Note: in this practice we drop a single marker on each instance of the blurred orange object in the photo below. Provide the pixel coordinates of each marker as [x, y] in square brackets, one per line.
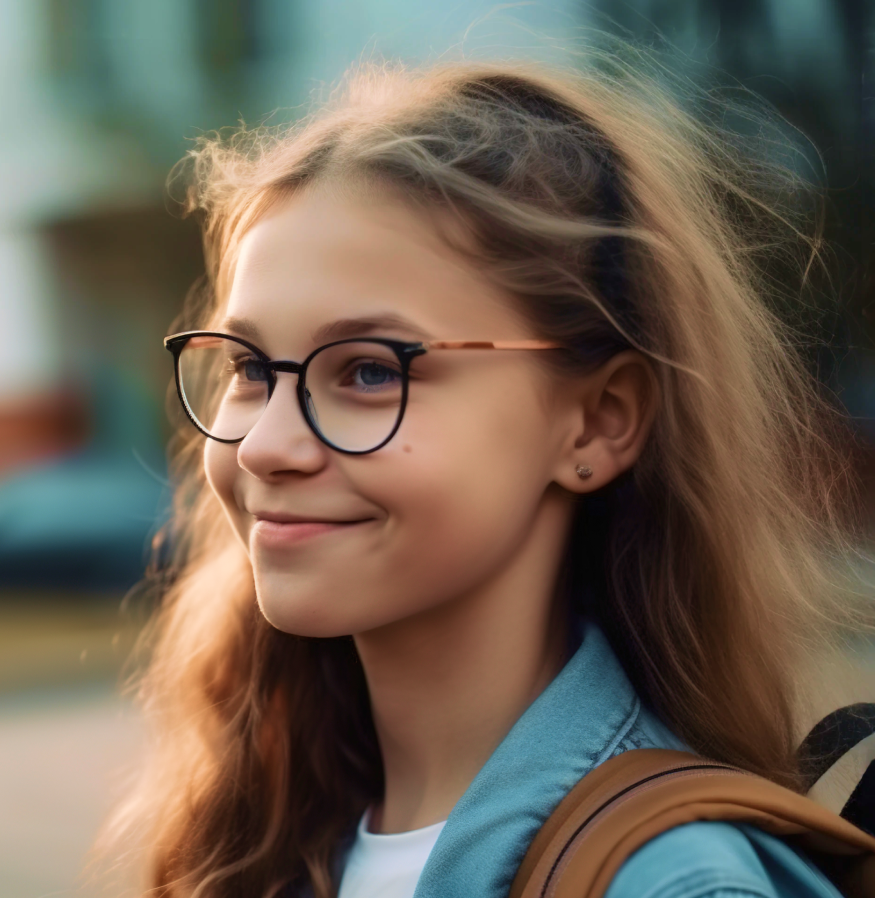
[40, 427]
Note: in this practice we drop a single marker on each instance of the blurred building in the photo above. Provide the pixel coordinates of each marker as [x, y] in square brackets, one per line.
[98, 98]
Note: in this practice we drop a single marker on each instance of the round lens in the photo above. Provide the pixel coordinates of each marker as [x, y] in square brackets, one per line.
[224, 385]
[354, 393]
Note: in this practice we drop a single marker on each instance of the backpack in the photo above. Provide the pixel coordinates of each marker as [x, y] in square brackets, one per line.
[633, 797]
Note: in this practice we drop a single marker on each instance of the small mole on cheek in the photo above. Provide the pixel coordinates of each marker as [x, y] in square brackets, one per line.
[408, 449]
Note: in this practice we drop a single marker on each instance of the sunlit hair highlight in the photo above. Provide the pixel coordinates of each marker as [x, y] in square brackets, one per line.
[613, 218]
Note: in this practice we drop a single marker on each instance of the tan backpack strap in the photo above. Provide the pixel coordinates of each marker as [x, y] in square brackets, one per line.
[635, 796]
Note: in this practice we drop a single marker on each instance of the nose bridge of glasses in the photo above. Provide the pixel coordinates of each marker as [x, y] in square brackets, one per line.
[289, 406]
[287, 367]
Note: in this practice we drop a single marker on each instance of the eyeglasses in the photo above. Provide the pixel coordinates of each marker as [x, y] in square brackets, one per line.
[352, 392]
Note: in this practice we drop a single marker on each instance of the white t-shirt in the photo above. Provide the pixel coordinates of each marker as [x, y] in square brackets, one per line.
[386, 865]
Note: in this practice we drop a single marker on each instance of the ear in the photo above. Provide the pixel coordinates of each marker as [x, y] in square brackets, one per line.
[609, 414]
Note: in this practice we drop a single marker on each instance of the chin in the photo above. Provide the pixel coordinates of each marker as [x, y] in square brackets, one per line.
[304, 612]
[301, 619]
[308, 606]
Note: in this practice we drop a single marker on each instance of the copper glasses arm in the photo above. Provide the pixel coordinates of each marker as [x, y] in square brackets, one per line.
[490, 344]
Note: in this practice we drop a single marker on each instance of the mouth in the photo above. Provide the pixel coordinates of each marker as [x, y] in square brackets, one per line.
[271, 532]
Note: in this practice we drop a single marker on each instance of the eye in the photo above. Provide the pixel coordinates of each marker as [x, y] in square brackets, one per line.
[371, 376]
[253, 370]
[247, 368]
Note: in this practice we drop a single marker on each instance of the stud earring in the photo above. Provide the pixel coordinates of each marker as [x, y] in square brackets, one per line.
[584, 471]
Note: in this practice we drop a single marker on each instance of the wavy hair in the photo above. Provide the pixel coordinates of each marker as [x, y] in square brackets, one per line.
[613, 217]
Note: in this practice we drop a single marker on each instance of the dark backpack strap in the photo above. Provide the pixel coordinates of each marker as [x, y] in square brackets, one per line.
[860, 807]
[833, 737]
[828, 742]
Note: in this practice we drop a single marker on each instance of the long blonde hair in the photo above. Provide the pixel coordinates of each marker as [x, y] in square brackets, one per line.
[613, 218]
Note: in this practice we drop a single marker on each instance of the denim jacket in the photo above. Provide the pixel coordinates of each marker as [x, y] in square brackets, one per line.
[588, 714]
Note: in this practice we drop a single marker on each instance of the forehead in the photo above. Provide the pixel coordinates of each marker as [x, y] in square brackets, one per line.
[324, 255]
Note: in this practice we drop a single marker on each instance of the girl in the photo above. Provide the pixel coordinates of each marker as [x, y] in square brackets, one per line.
[500, 467]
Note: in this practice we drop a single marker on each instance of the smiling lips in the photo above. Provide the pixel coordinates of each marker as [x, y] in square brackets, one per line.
[279, 531]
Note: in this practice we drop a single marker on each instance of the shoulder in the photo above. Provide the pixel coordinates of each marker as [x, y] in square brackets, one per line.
[712, 859]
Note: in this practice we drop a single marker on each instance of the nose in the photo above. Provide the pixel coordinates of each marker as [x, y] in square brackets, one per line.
[281, 441]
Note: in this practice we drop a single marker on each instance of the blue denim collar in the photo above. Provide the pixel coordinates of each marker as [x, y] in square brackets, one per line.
[588, 713]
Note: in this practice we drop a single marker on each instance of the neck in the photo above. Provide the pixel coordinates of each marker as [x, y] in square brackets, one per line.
[448, 685]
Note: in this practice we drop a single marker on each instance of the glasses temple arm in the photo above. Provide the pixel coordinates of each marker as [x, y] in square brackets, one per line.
[491, 344]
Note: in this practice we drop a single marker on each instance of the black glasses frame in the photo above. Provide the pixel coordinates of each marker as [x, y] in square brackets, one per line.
[404, 351]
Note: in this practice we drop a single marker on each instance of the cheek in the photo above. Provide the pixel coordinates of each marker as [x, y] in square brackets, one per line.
[222, 471]
[465, 496]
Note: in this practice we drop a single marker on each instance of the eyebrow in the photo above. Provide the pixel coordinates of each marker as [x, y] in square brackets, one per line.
[336, 330]
[242, 327]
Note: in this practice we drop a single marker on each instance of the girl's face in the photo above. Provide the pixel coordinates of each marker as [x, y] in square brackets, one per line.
[443, 509]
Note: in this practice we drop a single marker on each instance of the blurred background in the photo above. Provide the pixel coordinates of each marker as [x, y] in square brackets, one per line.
[98, 99]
